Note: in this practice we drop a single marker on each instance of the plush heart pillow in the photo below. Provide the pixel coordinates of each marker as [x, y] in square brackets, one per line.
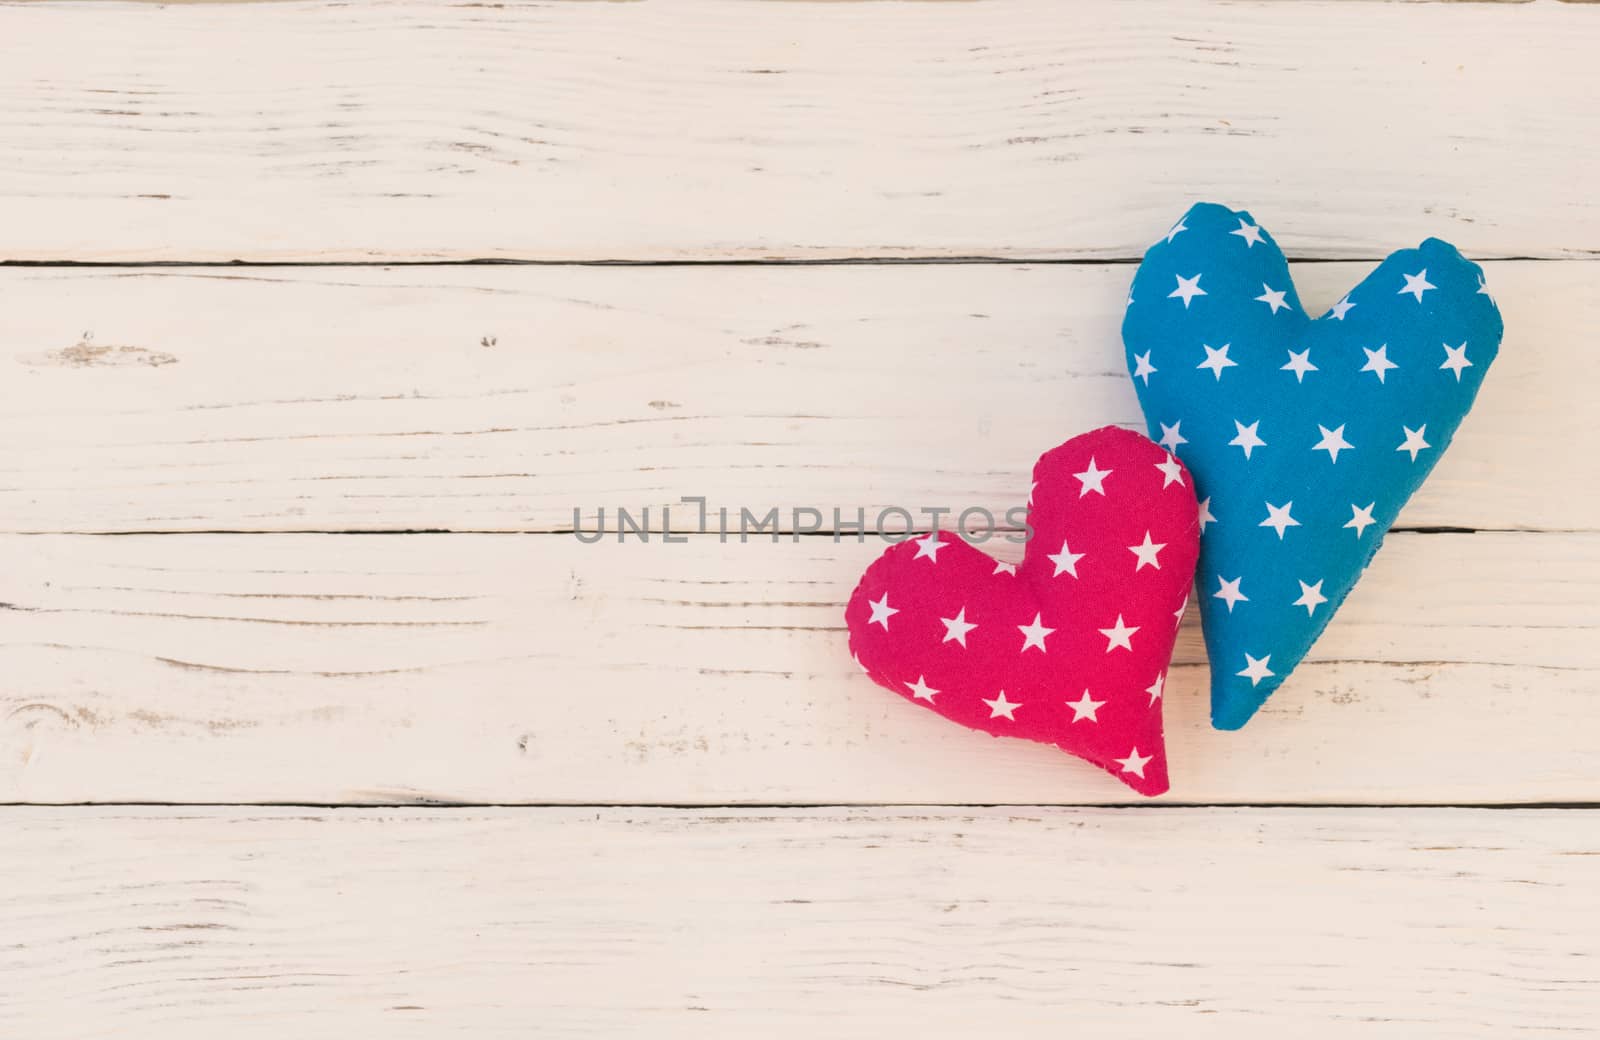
[1305, 437]
[1071, 646]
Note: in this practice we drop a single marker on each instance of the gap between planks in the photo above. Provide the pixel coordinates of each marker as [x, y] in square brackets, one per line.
[844, 261]
[756, 807]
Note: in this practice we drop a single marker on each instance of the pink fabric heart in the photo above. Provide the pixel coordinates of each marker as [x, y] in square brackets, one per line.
[1071, 646]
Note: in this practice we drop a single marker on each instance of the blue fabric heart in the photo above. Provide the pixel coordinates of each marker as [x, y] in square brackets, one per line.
[1305, 438]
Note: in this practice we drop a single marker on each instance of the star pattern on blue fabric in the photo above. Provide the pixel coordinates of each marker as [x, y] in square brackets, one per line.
[1300, 434]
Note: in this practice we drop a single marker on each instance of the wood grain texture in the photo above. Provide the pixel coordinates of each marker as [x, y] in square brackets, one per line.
[1447, 924]
[721, 129]
[506, 669]
[504, 398]
[270, 666]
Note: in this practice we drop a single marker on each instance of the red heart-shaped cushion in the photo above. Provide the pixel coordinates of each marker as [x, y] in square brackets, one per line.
[1071, 646]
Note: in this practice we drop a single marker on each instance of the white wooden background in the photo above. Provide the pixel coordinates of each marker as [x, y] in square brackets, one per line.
[315, 721]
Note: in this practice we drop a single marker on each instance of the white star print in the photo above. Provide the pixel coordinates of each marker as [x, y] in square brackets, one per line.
[920, 690]
[1217, 360]
[1229, 592]
[1134, 763]
[1278, 518]
[1155, 688]
[1483, 290]
[1066, 561]
[928, 547]
[1092, 479]
[1119, 635]
[1341, 308]
[1171, 472]
[1188, 289]
[1299, 364]
[881, 612]
[1255, 670]
[1176, 230]
[1361, 518]
[1000, 706]
[1251, 233]
[1378, 361]
[1033, 635]
[1247, 438]
[1417, 284]
[1143, 368]
[957, 627]
[1147, 553]
[1273, 298]
[1170, 437]
[1178, 614]
[1455, 359]
[1084, 708]
[1205, 514]
[1332, 442]
[1001, 567]
[1310, 596]
[1414, 442]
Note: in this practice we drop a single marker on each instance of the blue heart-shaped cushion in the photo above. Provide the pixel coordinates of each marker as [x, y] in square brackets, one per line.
[1305, 438]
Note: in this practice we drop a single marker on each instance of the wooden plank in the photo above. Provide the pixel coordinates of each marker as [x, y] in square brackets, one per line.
[498, 923]
[715, 128]
[504, 398]
[506, 669]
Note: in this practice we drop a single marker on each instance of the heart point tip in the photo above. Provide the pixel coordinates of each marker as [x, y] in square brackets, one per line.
[1232, 713]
